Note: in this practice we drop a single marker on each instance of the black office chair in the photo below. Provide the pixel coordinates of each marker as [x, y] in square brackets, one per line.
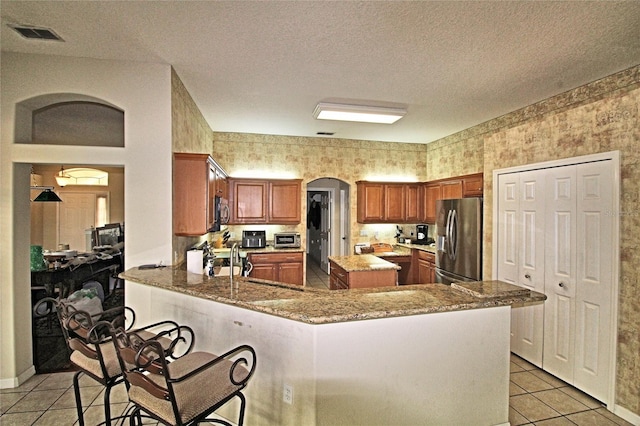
[184, 391]
[88, 339]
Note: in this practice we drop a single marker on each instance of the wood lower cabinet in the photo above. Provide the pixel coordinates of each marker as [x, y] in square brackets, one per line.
[340, 279]
[405, 274]
[267, 201]
[426, 267]
[197, 180]
[281, 267]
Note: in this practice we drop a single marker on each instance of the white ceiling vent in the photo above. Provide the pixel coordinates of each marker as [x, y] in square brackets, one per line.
[37, 33]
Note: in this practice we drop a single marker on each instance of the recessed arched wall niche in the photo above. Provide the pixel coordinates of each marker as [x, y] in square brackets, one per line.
[69, 119]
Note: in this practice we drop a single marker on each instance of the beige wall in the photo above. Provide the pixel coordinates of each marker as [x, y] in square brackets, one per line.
[142, 90]
[245, 155]
[190, 132]
[599, 117]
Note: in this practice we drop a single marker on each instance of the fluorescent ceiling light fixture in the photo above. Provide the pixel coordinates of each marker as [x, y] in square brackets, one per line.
[360, 113]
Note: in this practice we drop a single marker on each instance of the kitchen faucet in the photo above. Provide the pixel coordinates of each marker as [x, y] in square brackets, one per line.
[234, 256]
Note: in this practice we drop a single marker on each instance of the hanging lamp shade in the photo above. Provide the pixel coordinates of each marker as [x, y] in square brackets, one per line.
[48, 196]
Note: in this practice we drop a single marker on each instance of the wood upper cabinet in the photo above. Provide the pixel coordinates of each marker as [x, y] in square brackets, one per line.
[473, 185]
[265, 201]
[446, 189]
[284, 201]
[196, 178]
[285, 267]
[394, 202]
[431, 194]
[413, 208]
[371, 202]
[451, 189]
[388, 202]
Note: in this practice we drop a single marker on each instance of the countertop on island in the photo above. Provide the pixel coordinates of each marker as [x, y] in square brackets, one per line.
[320, 306]
[362, 262]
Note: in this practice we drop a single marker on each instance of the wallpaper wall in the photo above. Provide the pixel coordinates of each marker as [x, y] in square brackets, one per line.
[598, 117]
[190, 132]
[246, 155]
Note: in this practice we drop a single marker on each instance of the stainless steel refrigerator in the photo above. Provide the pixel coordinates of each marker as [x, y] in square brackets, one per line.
[459, 240]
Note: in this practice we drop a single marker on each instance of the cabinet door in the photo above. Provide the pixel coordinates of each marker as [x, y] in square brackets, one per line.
[284, 202]
[432, 193]
[249, 201]
[211, 195]
[265, 271]
[451, 189]
[413, 212]
[192, 200]
[370, 202]
[394, 203]
[290, 273]
[472, 186]
[521, 255]
[424, 272]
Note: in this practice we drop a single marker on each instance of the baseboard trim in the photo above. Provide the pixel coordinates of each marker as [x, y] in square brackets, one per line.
[624, 413]
[14, 382]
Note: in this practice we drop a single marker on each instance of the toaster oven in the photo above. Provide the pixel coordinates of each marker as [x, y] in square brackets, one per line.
[254, 239]
[286, 240]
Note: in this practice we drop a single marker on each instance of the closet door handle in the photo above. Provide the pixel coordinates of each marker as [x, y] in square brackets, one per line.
[561, 284]
[527, 276]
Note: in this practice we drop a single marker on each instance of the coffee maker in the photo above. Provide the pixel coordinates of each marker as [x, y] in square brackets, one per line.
[422, 232]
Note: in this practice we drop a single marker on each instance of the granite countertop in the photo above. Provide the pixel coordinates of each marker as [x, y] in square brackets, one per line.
[363, 262]
[271, 249]
[422, 247]
[320, 306]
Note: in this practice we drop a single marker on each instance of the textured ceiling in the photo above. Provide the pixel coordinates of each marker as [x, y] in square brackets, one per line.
[261, 67]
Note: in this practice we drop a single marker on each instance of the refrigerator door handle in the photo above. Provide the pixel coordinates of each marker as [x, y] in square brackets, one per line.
[453, 234]
[448, 233]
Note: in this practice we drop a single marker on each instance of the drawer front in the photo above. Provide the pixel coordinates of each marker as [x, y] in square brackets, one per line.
[425, 255]
[275, 257]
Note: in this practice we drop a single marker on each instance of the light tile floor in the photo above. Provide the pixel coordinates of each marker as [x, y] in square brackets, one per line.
[538, 398]
[316, 277]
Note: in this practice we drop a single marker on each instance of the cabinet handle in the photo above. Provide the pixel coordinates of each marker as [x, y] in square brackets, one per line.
[561, 284]
[527, 276]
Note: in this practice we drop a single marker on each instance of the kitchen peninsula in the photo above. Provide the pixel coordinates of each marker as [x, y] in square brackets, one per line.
[417, 354]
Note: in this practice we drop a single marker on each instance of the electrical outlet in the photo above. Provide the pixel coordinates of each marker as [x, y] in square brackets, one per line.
[287, 394]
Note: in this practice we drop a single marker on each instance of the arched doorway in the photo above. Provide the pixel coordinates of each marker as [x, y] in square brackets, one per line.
[328, 225]
[82, 122]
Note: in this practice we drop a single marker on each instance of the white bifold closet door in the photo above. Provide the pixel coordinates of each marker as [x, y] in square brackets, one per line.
[577, 323]
[521, 255]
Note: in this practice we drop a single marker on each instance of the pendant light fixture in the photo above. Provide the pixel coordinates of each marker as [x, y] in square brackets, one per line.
[62, 178]
[47, 194]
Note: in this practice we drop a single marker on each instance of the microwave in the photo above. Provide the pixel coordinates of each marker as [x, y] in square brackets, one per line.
[254, 239]
[286, 240]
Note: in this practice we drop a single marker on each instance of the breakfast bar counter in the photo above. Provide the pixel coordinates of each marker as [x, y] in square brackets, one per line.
[416, 354]
[319, 306]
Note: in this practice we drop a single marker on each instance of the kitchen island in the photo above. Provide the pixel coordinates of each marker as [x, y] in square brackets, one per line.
[423, 354]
